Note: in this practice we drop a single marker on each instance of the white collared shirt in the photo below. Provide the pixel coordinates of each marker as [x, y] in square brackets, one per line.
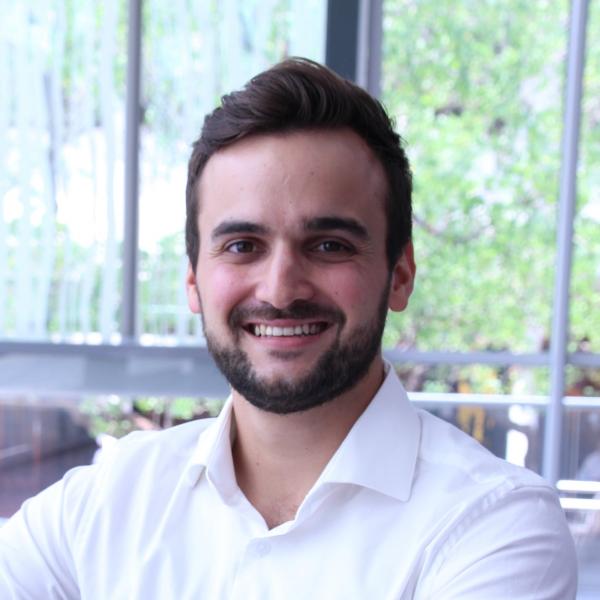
[408, 507]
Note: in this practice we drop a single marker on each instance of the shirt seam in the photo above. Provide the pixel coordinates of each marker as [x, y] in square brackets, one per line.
[469, 515]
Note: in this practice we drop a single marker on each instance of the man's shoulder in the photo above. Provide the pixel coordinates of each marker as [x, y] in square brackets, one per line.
[170, 448]
[137, 475]
[476, 508]
[459, 463]
[173, 439]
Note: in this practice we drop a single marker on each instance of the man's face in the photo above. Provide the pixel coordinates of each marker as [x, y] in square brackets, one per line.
[292, 279]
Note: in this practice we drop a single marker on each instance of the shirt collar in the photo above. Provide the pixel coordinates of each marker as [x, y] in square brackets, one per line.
[213, 454]
[379, 453]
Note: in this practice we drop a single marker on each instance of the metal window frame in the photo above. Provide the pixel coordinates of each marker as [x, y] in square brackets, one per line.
[343, 22]
[353, 48]
[564, 236]
[50, 370]
[133, 112]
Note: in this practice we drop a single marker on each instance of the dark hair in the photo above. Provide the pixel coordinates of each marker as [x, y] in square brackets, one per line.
[299, 94]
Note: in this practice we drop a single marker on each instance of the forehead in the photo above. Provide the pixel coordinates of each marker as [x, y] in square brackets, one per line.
[284, 178]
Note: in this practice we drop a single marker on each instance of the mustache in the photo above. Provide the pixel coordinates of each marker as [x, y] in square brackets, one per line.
[299, 309]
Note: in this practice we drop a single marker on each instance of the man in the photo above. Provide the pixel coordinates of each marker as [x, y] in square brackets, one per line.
[318, 479]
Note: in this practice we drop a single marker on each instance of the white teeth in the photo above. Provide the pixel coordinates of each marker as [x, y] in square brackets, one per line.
[269, 331]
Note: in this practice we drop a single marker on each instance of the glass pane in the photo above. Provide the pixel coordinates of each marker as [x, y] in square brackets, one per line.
[581, 445]
[515, 380]
[115, 416]
[585, 280]
[582, 381]
[580, 492]
[194, 52]
[513, 432]
[42, 438]
[62, 78]
[479, 105]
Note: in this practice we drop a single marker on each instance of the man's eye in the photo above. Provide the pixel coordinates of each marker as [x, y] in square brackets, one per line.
[241, 247]
[332, 246]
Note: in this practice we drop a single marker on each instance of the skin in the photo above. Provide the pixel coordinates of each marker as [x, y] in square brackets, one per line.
[267, 239]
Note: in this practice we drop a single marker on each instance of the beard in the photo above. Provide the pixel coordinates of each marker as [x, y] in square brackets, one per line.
[336, 371]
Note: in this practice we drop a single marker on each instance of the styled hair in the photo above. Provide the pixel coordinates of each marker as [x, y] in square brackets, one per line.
[296, 95]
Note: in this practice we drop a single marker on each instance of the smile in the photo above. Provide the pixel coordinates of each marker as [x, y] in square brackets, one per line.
[297, 330]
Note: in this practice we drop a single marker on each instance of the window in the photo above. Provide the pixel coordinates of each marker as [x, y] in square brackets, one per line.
[61, 184]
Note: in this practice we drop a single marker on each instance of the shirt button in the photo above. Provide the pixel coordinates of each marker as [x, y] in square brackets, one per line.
[262, 549]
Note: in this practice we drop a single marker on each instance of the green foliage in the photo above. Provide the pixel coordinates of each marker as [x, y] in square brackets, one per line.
[179, 409]
[585, 283]
[82, 26]
[191, 41]
[107, 415]
[475, 87]
[478, 379]
[161, 279]
[118, 415]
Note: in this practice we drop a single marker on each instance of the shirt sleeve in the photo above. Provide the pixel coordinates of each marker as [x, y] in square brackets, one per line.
[518, 547]
[36, 543]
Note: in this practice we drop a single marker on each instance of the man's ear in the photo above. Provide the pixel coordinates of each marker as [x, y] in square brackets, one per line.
[403, 277]
[191, 288]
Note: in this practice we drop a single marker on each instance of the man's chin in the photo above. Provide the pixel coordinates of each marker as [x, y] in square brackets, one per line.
[281, 376]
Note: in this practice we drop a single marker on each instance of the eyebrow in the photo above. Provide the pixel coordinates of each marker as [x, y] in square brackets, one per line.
[316, 224]
[345, 224]
[229, 227]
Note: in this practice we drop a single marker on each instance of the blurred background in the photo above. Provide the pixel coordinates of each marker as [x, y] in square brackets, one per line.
[499, 105]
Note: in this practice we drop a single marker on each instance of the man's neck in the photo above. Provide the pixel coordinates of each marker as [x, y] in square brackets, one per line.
[278, 458]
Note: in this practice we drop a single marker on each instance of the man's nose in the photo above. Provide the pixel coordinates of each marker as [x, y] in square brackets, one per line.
[285, 279]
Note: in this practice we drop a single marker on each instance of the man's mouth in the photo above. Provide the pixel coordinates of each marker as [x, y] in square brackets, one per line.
[263, 330]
